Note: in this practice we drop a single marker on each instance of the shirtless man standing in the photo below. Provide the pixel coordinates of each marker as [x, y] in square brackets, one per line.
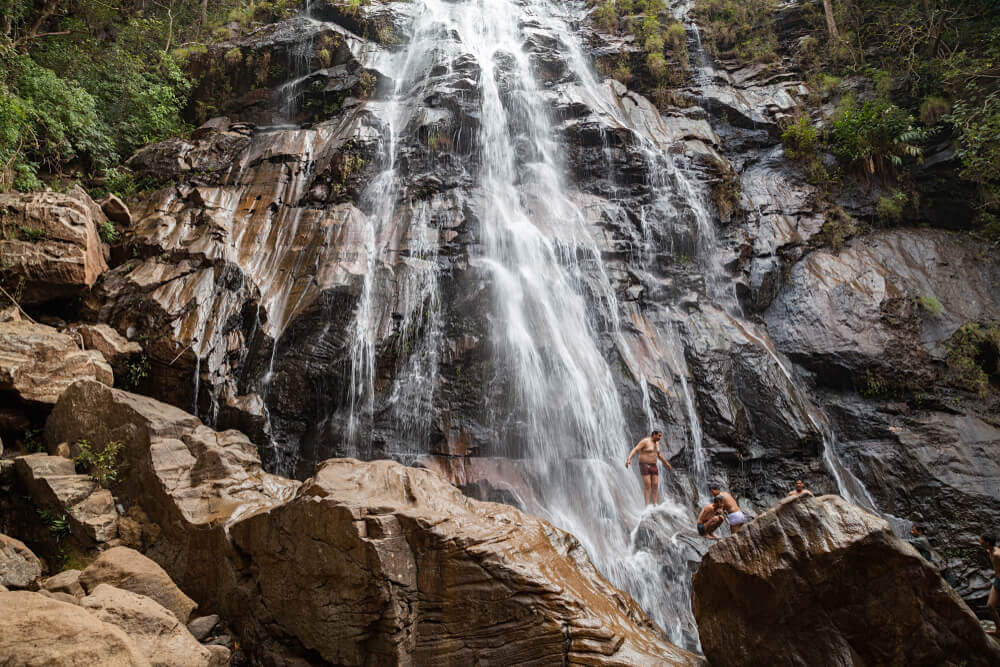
[735, 515]
[711, 517]
[800, 489]
[649, 451]
[993, 550]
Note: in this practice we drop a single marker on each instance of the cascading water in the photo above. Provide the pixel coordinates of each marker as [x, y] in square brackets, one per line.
[557, 323]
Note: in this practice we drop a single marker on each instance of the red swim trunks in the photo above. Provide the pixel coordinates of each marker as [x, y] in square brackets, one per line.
[649, 469]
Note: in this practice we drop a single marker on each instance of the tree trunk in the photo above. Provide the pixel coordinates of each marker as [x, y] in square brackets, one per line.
[204, 16]
[831, 24]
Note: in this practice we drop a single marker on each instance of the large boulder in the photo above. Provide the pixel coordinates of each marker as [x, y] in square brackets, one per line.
[53, 485]
[380, 562]
[818, 581]
[38, 362]
[188, 481]
[157, 633]
[129, 570]
[50, 241]
[19, 567]
[37, 630]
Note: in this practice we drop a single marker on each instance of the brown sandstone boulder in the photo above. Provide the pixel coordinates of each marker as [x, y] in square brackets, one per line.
[155, 630]
[36, 630]
[19, 567]
[129, 570]
[116, 210]
[114, 347]
[37, 362]
[372, 563]
[188, 481]
[818, 581]
[377, 563]
[53, 484]
[67, 581]
[50, 240]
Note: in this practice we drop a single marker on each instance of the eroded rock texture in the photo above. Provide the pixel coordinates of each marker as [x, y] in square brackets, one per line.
[50, 244]
[819, 581]
[368, 563]
[378, 563]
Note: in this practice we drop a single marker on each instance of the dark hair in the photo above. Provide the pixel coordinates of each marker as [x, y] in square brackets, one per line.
[717, 500]
[990, 540]
[920, 528]
[655, 433]
[714, 485]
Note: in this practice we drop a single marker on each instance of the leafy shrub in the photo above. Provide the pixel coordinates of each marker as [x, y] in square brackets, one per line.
[966, 354]
[876, 136]
[801, 138]
[890, 207]
[933, 109]
[103, 464]
[56, 522]
[108, 233]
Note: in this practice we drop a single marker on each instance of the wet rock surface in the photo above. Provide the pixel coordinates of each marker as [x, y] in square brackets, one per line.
[809, 581]
[410, 567]
[415, 570]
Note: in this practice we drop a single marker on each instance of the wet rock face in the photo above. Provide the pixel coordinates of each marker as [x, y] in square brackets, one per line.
[50, 245]
[411, 569]
[409, 556]
[810, 581]
[886, 303]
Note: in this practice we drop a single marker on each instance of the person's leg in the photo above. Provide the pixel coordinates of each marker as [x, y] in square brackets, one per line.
[654, 487]
[994, 603]
[647, 481]
[710, 526]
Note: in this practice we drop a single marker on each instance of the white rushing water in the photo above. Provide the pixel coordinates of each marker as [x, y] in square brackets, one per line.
[556, 321]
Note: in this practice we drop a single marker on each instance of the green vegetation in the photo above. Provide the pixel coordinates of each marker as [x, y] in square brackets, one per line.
[136, 370]
[905, 76]
[85, 83]
[56, 522]
[663, 62]
[103, 464]
[973, 352]
[930, 304]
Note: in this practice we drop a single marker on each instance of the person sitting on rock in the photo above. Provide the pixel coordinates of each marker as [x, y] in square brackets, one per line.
[649, 451]
[990, 543]
[710, 518]
[800, 489]
[733, 512]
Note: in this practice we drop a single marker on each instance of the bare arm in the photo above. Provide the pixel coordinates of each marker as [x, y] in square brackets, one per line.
[705, 514]
[665, 462]
[632, 453]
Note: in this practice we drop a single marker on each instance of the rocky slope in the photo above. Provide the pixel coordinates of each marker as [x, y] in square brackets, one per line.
[314, 269]
[364, 563]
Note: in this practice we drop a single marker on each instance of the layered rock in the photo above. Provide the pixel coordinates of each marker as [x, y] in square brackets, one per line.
[821, 581]
[375, 561]
[156, 631]
[860, 309]
[408, 567]
[54, 485]
[189, 480]
[50, 241]
[38, 362]
[129, 570]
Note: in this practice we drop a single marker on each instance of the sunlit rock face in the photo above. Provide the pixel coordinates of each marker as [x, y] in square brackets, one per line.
[462, 243]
